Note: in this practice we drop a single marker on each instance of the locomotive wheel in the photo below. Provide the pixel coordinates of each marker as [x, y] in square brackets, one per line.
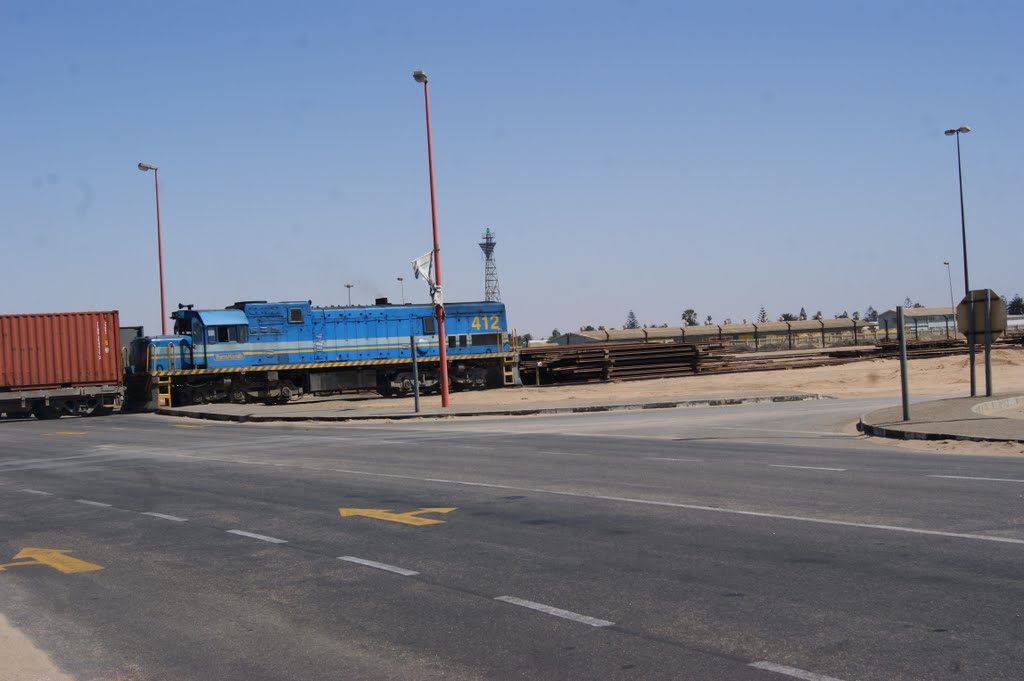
[45, 413]
[238, 396]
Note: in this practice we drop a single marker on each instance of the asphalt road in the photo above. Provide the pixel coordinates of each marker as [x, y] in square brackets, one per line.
[759, 542]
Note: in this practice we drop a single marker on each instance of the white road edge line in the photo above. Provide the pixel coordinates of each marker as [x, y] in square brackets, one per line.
[810, 468]
[17, 463]
[261, 537]
[165, 517]
[557, 612]
[379, 566]
[93, 503]
[792, 671]
[967, 477]
[691, 507]
[38, 491]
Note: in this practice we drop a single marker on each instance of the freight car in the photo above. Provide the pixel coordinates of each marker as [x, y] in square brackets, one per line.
[256, 351]
[66, 363]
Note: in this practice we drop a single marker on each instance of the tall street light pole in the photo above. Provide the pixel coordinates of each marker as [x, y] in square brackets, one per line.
[949, 277]
[963, 223]
[401, 282]
[963, 129]
[442, 338]
[159, 244]
[349, 287]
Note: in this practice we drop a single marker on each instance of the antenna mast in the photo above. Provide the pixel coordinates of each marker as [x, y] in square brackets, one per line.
[492, 294]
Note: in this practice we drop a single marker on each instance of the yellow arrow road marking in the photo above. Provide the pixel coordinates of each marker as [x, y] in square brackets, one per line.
[410, 518]
[182, 425]
[55, 558]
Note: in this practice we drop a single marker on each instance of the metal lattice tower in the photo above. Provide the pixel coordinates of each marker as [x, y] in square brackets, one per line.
[492, 294]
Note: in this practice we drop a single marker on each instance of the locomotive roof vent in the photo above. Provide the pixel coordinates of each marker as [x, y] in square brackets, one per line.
[241, 305]
[381, 301]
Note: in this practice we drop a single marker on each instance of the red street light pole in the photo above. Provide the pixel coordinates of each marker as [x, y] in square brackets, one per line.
[442, 339]
[159, 244]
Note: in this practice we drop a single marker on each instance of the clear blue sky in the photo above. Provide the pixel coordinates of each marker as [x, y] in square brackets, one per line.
[651, 156]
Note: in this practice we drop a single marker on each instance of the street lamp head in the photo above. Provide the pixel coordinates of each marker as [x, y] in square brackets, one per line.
[964, 129]
[419, 76]
[147, 166]
[401, 279]
[946, 263]
[949, 133]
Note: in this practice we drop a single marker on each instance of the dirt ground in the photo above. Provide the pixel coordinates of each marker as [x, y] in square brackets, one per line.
[22, 661]
[933, 377]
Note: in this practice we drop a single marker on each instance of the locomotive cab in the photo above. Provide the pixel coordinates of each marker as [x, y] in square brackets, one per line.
[217, 338]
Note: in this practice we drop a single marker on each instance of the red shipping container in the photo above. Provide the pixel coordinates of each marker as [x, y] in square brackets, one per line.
[63, 349]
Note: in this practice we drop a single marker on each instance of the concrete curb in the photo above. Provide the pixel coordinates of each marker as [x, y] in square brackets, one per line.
[718, 402]
[986, 408]
[896, 433]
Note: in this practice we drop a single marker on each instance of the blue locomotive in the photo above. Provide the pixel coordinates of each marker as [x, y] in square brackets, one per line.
[256, 351]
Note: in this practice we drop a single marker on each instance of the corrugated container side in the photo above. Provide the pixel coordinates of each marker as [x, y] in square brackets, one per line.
[61, 349]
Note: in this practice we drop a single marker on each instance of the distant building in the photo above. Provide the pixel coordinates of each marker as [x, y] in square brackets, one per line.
[922, 323]
[795, 335]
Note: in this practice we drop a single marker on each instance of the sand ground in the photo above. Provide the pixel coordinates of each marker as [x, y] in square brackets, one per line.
[933, 377]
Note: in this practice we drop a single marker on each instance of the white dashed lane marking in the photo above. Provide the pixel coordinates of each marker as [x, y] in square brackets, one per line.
[810, 468]
[93, 503]
[261, 537]
[38, 491]
[165, 517]
[549, 453]
[659, 458]
[557, 612]
[379, 566]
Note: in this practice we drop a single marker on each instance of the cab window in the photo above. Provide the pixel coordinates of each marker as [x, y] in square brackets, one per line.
[227, 334]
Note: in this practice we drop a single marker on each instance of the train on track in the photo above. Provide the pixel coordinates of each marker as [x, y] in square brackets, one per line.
[83, 363]
[255, 351]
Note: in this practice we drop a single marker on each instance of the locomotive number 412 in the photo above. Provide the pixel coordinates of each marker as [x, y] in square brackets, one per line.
[488, 323]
